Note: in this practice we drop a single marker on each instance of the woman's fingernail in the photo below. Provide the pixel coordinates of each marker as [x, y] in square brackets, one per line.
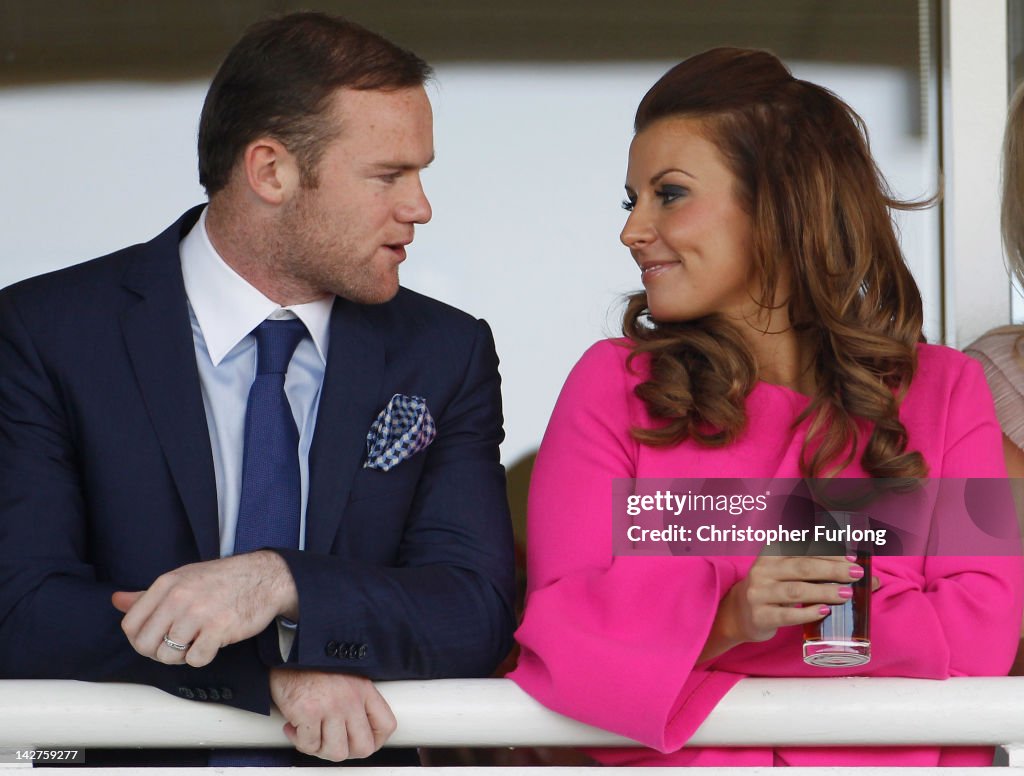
[845, 592]
[851, 557]
[823, 610]
[856, 572]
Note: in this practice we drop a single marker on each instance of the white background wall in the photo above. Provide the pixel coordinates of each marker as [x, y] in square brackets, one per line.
[526, 191]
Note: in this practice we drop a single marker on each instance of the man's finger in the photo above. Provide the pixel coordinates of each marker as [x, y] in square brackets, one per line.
[336, 740]
[149, 639]
[307, 736]
[361, 742]
[123, 601]
[381, 718]
[292, 734]
[138, 615]
[170, 656]
[168, 648]
[203, 650]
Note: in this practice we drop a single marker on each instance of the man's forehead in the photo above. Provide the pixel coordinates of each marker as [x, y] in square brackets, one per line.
[387, 130]
[351, 103]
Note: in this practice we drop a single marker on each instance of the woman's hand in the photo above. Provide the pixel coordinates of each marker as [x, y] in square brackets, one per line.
[779, 591]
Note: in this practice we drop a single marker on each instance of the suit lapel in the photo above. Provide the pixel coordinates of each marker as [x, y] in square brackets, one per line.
[348, 405]
[158, 335]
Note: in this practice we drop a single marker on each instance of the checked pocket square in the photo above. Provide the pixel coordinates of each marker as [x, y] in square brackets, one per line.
[401, 430]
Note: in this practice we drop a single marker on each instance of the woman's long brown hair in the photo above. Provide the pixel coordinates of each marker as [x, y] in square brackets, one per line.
[820, 212]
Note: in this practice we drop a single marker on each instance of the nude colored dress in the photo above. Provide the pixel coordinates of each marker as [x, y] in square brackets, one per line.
[1001, 353]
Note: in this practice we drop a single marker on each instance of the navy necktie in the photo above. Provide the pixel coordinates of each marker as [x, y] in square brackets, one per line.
[270, 507]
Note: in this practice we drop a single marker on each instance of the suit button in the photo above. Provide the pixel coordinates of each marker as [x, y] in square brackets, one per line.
[213, 693]
[201, 694]
[185, 692]
[363, 649]
[226, 693]
[331, 649]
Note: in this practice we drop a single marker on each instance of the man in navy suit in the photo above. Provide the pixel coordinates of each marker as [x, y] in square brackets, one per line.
[133, 527]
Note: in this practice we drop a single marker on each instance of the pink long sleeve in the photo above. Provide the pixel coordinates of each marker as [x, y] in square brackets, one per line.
[610, 641]
[961, 615]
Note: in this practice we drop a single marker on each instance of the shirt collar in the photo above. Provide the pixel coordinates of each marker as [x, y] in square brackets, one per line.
[228, 308]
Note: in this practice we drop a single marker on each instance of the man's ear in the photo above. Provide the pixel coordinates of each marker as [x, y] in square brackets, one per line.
[271, 171]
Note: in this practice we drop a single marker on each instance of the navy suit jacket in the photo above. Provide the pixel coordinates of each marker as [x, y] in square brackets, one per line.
[107, 481]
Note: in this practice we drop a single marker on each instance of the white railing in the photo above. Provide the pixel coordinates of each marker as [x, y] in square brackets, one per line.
[495, 712]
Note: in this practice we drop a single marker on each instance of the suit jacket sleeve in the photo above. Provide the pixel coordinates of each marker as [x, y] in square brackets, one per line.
[56, 618]
[444, 607]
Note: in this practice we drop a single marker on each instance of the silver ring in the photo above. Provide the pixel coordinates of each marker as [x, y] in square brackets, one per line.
[175, 645]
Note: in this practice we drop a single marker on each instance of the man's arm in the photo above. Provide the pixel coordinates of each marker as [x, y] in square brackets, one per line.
[331, 716]
[202, 607]
[445, 608]
[56, 616]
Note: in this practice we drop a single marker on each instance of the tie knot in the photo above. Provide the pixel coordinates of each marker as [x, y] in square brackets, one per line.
[275, 343]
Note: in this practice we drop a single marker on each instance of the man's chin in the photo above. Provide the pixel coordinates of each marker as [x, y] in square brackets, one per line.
[380, 295]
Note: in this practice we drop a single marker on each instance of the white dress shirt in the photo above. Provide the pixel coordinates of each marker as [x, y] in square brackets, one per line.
[224, 309]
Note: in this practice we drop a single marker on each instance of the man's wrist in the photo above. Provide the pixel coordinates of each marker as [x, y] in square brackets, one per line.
[284, 592]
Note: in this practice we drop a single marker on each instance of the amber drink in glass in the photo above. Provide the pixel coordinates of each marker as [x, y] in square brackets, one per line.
[843, 637]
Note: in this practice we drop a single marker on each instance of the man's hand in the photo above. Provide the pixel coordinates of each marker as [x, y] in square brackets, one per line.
[206, 606]
[332, 716]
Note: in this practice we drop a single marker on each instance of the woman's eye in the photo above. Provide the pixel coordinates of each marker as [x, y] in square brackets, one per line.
[628, 204]
[669, 193]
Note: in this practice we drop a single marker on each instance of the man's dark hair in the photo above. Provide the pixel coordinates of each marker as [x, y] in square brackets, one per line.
[277, 82]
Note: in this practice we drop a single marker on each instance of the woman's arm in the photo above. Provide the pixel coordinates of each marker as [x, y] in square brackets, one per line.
[611, 641]
[962, 616]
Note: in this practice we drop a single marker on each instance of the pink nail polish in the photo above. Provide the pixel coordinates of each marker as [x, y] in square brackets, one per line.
[845, 592]
[823, 610]
[856, 572]
[851, 557]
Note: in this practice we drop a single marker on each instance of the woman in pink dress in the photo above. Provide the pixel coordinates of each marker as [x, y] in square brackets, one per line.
[779, 335]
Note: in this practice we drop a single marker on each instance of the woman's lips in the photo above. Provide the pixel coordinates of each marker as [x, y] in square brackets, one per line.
[649, 272]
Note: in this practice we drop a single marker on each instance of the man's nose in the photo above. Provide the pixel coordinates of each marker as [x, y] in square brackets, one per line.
[415, 208]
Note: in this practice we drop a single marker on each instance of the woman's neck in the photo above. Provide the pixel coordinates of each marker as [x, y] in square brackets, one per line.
[782, 357]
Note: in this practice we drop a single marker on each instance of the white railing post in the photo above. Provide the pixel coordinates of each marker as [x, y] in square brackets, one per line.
[1015, 754]
[974, 86]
